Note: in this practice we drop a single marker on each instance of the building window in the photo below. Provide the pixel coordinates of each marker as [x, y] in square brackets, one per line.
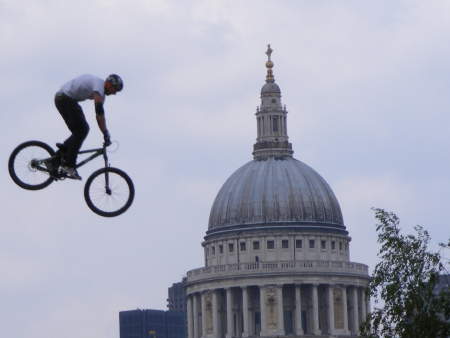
[340, 245]
[323, 244]
[230, 247]
[270, 244]
[285, 243]
[275, 124]
[255, 245]
[220, 248]
[333, 245]
[298, 243]
[312, 243]
[242, 246]
[213, 250]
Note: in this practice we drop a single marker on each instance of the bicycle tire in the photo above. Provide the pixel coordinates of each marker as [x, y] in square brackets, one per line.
[99, 201]
[20, 162]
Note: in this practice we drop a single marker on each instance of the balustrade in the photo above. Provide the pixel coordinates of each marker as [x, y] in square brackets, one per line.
[278, 267]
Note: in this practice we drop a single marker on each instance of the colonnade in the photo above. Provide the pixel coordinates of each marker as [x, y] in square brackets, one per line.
[276, 310]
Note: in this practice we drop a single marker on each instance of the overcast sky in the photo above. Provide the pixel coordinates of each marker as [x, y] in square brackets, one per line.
[366, 85]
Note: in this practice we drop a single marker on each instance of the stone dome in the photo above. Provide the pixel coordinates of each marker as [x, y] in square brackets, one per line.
[275, 192]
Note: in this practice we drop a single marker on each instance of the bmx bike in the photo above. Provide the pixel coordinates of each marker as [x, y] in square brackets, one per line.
[34, 165]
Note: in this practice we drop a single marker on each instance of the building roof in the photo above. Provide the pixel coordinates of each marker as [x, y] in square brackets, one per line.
[275, 191]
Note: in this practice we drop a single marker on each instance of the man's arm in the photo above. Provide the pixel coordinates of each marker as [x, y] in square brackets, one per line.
[100, 115]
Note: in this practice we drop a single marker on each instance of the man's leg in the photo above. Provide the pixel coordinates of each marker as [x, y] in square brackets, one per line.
[74, 118]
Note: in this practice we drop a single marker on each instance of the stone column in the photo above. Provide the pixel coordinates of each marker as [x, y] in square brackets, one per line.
[315, 309]
[355, 302]
[203, 304]
[280, 310]
[263, 309]
[344, 305]
[330, 303]
[363, 305]
[229, 313]
[368, 305]
[245, 312]
[298, 311]
[190, 319]
[196, 324]
[215, 314]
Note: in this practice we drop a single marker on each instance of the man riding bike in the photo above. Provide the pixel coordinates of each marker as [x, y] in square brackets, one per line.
[84, 87]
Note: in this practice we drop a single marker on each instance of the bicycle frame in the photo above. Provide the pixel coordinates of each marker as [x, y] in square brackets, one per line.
[37, 164]
[97, 152]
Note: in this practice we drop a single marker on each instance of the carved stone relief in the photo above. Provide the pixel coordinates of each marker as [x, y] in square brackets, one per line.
[338, 308]
[209, 313]
[271, 306]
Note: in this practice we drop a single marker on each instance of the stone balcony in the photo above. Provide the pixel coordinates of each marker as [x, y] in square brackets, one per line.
[278, 268]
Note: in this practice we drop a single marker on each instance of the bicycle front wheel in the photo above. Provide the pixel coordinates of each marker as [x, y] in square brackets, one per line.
[109, 192]
[26, 165]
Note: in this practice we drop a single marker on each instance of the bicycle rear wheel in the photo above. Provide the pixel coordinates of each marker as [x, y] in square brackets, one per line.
[109, 192]
[26, 165]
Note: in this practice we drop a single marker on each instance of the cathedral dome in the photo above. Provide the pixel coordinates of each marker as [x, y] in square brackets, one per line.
[275, 189]
[275, 192]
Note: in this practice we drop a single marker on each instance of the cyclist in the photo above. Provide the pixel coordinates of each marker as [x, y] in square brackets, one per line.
[84, 87]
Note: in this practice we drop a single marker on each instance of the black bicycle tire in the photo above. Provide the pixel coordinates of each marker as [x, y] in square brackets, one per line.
[12, 171]
[99, 211]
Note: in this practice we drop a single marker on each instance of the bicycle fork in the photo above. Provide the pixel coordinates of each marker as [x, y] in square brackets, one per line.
[107, 188]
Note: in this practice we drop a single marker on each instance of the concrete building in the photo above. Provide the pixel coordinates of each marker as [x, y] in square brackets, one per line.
[176, 300]
[152, 324]
[277, 254]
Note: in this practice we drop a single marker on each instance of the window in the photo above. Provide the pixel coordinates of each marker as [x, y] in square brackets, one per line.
[221, 248]
[230, 247]
[340, 245]
[333, 245]
[275, 123]
[323, 244]
[285, 243]
[270, 244]
[242, 246]
[255, 245]
[213, 250]
[312, 243]
[298, 243]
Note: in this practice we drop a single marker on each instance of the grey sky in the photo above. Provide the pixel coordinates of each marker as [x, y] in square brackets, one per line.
[366, 85]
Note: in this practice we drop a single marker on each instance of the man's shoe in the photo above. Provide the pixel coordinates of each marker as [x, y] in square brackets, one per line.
[70, 172]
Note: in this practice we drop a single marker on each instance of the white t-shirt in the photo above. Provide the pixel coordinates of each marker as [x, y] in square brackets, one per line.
[83, 87]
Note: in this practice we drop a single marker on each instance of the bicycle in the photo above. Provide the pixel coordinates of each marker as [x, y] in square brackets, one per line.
[34, 165]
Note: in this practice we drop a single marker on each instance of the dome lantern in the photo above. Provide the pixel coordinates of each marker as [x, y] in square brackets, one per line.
[271, 118]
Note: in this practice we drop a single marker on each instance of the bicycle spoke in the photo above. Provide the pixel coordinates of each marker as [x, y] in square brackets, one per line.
[109, 200]
[23, 164]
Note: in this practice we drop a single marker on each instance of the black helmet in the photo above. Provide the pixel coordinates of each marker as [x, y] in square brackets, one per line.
[116, 81]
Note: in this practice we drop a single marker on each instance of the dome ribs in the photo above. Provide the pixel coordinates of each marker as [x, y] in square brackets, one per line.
[275, 191]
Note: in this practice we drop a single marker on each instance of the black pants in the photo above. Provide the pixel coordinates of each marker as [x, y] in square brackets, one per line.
[73, 115]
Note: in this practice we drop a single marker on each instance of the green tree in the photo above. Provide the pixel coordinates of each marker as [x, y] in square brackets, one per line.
[403, 284]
